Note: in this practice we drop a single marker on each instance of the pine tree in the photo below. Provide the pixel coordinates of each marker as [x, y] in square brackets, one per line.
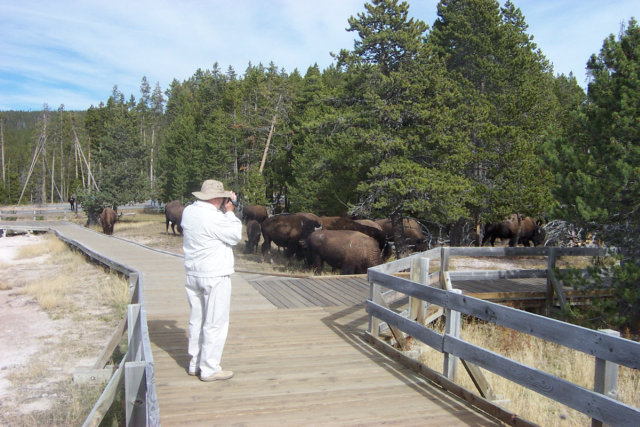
[402, 104]
[598, 172]
[119, 155]
[506, 82]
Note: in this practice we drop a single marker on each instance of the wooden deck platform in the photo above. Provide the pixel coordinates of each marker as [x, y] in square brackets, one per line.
[351, 290]
[299, 359]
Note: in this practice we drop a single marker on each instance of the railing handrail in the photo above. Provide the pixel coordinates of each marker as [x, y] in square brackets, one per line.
[602, 345]
[139, 356]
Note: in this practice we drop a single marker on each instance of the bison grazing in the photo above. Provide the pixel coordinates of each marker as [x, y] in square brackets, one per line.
[253, 236]
[350, 251]
[108, 217]
[173, 215]
[531, 231]
[507, 229]
[256, 212]
[411, 231]
[286, 230]
[343, 223]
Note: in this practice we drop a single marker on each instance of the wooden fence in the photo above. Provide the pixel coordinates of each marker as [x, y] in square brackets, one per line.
[609, 350]
[136, 370]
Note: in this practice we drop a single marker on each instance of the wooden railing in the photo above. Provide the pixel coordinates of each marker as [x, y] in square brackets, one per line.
[136, 370]
[609, 350]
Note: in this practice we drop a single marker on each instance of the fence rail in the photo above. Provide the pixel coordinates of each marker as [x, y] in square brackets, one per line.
[609, 350]
[136, 369]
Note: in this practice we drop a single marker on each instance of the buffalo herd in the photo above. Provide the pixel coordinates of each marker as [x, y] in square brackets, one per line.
[348, 245]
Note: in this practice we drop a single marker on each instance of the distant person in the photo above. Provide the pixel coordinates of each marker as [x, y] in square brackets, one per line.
[210, 229]
[72, 202]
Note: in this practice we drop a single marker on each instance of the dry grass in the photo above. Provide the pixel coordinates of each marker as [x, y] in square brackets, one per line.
[554, 359]
[49, 245]
[86, 303]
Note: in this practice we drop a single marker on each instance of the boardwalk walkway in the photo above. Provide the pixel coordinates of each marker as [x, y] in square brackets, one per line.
[294, 366]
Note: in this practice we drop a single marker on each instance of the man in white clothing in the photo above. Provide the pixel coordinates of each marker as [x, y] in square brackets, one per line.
[210, 229]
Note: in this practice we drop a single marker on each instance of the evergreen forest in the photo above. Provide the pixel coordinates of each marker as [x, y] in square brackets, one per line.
[455, 123]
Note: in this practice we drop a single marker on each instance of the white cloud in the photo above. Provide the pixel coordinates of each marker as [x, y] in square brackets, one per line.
[73, 52]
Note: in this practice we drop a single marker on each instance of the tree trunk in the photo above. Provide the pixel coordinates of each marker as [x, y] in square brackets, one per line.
[397, 228]
[273, 126]
[456, 235]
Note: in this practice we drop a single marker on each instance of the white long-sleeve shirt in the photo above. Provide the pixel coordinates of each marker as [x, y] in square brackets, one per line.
[208, 235]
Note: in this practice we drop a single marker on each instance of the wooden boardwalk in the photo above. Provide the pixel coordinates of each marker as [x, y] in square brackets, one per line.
[299, 359]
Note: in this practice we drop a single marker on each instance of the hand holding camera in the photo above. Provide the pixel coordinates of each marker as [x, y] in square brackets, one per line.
[230, 203]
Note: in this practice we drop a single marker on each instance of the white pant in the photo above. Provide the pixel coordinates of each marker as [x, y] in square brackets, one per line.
[210, 301]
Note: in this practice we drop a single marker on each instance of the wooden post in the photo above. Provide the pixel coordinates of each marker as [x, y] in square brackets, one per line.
[452, 328]
[133, 289]
[133, 330]
[444, 267]
[415, 303]
[424, 280]
[134, 393]
[374, 322]
[605, 380]
[551, 264]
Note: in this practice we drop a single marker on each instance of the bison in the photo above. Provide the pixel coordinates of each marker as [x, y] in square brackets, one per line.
[351, 251]
[286, 230]
[411, 231]
[253, 236]
[108, 217]
[256, 212]
[173, 215]
[507, 229]
[344, 223]
[531, 232]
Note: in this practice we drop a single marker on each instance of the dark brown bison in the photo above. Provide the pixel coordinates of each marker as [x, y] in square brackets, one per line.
[310, 216]
[369, 223]
[411, 231]
[286, 230]
[344, 223]
[108, 217]
[253, 236]
[173, 215]
[257, 212]
[351, 251]
[507, 229]
[531, 232]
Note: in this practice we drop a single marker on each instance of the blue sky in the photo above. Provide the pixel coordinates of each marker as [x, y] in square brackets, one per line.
[74, 52]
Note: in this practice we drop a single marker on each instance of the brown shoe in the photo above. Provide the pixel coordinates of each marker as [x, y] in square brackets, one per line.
[220, 375]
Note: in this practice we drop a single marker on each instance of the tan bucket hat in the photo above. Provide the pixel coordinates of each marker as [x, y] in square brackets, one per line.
[211, 189]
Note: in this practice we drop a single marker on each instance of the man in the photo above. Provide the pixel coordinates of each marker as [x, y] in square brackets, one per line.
[210, 229]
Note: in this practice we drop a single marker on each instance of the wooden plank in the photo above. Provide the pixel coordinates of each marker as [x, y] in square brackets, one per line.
[425, 335]
[485, 405]
[329, 288]
[586, 401]
[108, 349]
[617, 350]
[346, 288]
[292, 293]
[134, 392]
[269, 293]
[326, 299]
[496, 274]
[614, 349]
